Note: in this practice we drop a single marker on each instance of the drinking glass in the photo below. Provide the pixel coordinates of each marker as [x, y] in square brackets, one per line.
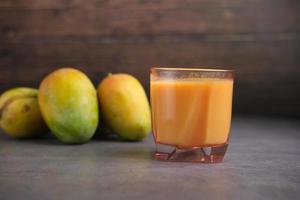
[191, 113]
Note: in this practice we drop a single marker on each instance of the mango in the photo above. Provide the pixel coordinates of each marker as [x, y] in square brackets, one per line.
[20, 116]
[124, 106]
[69, 105]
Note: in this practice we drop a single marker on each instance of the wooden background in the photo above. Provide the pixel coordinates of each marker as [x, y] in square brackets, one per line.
[260, 39]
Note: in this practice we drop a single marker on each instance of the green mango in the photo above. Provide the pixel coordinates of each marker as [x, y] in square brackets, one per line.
[20, 115]
[124, 106]
[69, 105]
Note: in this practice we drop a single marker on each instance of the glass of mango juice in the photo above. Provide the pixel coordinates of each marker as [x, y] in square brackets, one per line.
[191, 113]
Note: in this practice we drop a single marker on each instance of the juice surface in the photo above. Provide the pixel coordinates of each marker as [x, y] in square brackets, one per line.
[191, 113]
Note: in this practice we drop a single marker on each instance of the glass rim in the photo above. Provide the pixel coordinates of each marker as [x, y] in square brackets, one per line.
[200, 69]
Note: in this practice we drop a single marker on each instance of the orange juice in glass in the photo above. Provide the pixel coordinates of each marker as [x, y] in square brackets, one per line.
[191, 113]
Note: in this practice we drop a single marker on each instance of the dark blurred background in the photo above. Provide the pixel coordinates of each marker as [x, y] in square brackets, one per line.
[260, 39]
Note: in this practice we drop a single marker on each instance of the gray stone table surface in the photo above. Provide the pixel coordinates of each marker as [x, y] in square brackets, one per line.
[263, 162]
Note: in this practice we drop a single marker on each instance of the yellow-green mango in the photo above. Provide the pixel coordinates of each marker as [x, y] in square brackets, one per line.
[69, 105]
[20, 115]
[124, 106]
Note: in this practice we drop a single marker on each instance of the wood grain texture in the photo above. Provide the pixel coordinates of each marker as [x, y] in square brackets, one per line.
[259, 39]
[103, 18]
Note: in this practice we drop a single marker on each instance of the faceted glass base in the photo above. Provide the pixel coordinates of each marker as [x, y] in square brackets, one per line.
[210, 154]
